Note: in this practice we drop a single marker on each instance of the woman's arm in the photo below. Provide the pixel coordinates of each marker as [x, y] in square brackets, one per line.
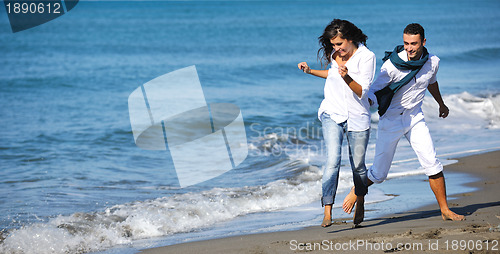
[355, 87]
[360, 83]
[318, 73]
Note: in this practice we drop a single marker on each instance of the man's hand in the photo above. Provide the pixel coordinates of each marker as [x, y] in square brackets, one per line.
[436, 94]
[443, 111]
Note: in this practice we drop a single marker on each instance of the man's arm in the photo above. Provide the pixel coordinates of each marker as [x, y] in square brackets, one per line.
[434, 90]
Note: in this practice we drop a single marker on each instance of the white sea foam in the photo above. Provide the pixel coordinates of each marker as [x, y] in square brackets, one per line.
[121, 224]
[467, 111]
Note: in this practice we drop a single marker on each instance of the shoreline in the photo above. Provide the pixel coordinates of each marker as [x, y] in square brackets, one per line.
[420, 229]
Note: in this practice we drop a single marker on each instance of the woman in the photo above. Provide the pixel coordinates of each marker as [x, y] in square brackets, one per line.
[345, 108]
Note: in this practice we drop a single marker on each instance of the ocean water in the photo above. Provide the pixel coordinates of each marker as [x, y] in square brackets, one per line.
[73, 180]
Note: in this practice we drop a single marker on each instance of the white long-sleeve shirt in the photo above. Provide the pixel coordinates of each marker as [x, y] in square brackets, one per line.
[340, 102]
[411, 95]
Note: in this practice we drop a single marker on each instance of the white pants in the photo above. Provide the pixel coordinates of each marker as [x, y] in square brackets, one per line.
[391, 128]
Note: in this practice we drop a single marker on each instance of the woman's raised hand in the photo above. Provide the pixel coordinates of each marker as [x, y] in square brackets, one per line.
[304, 67]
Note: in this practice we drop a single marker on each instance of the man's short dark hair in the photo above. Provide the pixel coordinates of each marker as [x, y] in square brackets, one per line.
[415, 28]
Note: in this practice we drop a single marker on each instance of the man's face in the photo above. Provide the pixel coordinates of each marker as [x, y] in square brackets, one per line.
[413, 45]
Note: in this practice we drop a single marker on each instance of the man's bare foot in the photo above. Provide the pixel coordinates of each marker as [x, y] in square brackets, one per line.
[326, 222]
[452, 216]
[359, 214]
[349, 201]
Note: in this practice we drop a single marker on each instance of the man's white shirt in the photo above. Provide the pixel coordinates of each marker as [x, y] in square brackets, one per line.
[411, 95]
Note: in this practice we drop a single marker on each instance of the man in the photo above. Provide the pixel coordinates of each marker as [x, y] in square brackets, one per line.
[407, 73]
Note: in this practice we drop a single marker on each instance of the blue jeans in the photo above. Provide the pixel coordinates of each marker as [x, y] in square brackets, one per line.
[333, 135]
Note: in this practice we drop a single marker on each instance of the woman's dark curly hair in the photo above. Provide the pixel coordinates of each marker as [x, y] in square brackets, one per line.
[346, 30]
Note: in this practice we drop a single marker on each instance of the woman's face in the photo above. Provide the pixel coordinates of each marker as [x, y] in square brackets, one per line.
[343, 46]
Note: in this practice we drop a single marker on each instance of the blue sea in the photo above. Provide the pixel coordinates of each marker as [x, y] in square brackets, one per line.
[73, 180]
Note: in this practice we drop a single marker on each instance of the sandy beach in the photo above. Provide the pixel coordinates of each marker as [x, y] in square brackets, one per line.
[415, 231]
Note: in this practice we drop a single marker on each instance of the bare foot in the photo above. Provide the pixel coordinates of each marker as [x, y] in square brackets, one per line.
[452, 216]
[326, 222]
[359, 214]
[349, 201]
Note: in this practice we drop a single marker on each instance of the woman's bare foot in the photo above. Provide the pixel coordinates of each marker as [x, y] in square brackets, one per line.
[359, 214]
[449, 215]
[349, 201]
[326, 222]
[327, 218]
